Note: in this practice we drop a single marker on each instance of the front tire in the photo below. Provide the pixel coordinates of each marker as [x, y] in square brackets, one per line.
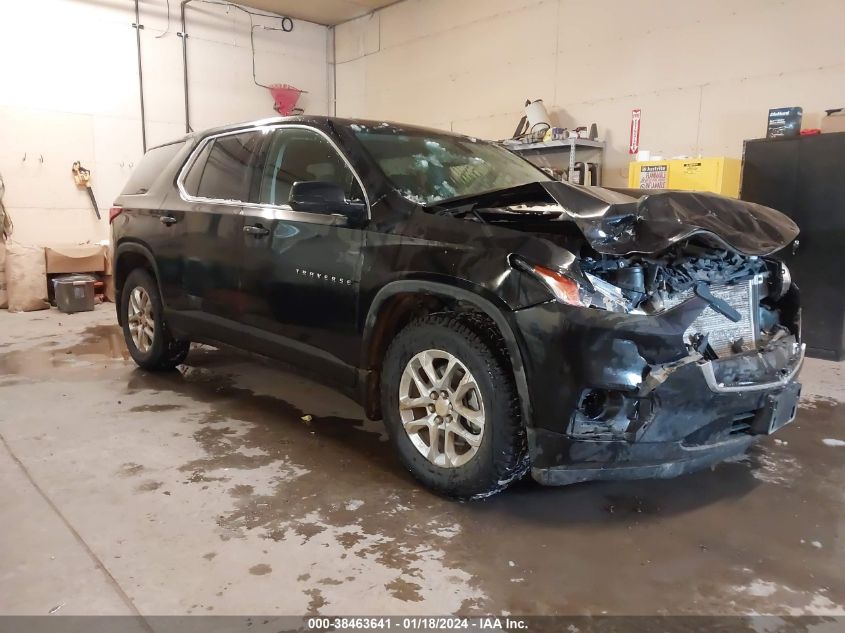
[451, 408]
[145, 332]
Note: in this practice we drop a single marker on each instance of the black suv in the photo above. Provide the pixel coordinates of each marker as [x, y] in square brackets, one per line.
[496, 319]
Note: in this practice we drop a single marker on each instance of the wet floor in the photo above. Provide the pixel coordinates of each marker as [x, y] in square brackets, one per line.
[234, 486]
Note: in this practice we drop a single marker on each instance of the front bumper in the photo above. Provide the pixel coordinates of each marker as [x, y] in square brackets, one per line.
[650, 461]
[672, 416]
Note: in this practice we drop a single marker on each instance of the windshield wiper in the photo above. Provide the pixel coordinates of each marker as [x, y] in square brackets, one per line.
[455, 212]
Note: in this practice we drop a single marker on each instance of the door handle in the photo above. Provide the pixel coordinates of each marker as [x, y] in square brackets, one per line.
[256, 229]
[167, 220]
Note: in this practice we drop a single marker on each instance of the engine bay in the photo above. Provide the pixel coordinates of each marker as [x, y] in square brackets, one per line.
[743, 292]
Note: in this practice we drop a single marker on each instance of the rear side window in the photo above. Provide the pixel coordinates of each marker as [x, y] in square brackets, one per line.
[152, 165]
[223, 168]
[191, 181]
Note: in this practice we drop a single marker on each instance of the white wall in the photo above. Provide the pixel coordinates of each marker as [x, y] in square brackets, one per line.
[704, 73]
[69, 91]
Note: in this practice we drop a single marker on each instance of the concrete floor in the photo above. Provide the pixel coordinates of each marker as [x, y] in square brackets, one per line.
[204, 491]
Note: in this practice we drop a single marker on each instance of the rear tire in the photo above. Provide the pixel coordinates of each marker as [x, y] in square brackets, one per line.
[145, 332]
[472, 397]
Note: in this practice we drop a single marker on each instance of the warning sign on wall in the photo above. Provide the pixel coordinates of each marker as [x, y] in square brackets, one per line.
[634, 141]
[654, 176]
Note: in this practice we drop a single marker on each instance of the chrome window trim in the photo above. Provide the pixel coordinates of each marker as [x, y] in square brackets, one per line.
[285, 213]
[266, 129]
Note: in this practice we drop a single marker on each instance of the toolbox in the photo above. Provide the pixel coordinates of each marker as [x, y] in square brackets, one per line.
[802, 177]
[74, 293]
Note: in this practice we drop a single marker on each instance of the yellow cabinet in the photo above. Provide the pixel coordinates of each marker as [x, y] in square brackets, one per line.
[719, 174]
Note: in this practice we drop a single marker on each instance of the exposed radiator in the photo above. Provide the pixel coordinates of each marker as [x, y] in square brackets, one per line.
[722, 333]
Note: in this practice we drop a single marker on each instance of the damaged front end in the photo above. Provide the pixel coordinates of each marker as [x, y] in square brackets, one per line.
[673, 337]
[728, 324]
[625, 395]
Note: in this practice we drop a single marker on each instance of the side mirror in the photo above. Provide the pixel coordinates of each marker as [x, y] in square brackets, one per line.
[316, 196]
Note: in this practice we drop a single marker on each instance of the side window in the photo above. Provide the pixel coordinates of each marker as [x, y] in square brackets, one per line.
[152, 165]
[297, 155]
[191, 181]
[223, 169]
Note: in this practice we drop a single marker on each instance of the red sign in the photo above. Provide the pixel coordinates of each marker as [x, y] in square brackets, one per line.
[634, 144]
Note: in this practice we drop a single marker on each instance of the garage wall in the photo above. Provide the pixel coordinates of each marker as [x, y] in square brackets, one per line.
[704, 73]
[69, 91]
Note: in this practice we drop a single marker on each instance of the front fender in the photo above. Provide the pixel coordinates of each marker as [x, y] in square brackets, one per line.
[480, 298]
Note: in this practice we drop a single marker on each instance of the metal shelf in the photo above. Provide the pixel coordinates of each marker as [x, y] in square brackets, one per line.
[568, 146]
[556, 146]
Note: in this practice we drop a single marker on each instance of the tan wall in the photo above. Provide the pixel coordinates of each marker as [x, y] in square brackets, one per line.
[69, 91]
[704, 73]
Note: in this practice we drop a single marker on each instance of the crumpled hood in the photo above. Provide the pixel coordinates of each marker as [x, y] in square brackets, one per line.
[618, 222]
[626, 221]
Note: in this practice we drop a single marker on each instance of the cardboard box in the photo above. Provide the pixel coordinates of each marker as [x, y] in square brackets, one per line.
[834, 121]
[75, 258]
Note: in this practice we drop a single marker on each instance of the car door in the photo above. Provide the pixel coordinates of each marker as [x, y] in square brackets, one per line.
[213, 186]
[301, 270]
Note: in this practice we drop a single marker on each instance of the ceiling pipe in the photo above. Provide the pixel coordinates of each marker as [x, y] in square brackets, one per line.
[138, 28]
[184, 35]
[286, 26]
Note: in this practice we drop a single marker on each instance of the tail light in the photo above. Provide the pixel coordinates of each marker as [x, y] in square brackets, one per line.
[114, 212]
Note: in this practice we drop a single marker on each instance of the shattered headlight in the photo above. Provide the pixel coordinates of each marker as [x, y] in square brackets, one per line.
[595, 293]
[607, 295]
[564, 288]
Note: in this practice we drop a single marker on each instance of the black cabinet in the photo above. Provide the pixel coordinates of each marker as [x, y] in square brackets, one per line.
[804, 178]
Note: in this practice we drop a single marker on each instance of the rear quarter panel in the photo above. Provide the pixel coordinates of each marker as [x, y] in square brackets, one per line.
[139, 223]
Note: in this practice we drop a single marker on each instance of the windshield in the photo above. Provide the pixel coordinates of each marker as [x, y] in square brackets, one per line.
[427, 168]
